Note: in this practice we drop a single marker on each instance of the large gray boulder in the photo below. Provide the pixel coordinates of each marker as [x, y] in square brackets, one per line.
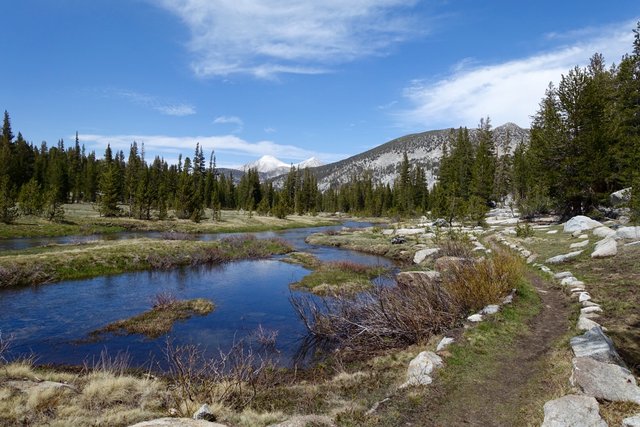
[204, 413]
[621, 196]
[573, 411]
[421, 367]
[603, 232]
[580, 223]
[607, 247]
[631, 421]
[176, 422]
[596, 345]
[604, 380]
[629, 233]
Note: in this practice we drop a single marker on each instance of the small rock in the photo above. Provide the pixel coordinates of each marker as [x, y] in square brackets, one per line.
[545, 269]
[579, 244]
[475, 318]
[552, 232]
[573, 411]
[563, 258]
[631, 421]
[631, 233]
[490, 309]
[621, 196]
[563, 275]
[420, 368]
[440, 222]
[596, 345]
[583, 236]
[568, 280]
[444, 342]
[594, 309]
[586, 324]
[604, 380]
[409, 231]
[589, 304]
[204, 413]
[583, 296]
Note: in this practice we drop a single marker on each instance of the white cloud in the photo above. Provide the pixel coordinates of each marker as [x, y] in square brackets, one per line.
[234, 120]
[149, 101]
[265, 38]
[508, 91]
[170, 146]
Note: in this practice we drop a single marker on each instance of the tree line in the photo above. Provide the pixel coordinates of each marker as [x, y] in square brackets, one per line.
[584, 144]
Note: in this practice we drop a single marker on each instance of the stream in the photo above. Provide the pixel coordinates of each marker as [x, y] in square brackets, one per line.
[54, 321]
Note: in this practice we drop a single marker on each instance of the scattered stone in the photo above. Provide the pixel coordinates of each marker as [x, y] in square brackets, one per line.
[490, 309]
[621, 196]
[631, 421]
[440, 222]
[580, 223]
[422, 254]
[596, 345]
[603, 232]
[631, 233]
[586, 324]
[637, 242]
[409, 231]
[177, 422]
[573, 411]
[204, 413]
[605, 248]
[563, 275]
[579, 244]
[604, 380]
[583, 296]
[545, 269]
[552, 232]
[593, 309]
[420, 368]
[589, 304]
[583, 236]
[306, 420]
[398, 240]
[509, 298]
[409, 278]
[475, 318]
[568, 280]
[563, 258]
[444, 342]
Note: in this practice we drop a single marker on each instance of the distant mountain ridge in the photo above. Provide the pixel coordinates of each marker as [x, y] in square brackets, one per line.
[424, 149]
[269, 166]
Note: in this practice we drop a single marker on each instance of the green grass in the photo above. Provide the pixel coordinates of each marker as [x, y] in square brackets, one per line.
[77, 261]
[83, 219]
[337, 277]
[160, 319]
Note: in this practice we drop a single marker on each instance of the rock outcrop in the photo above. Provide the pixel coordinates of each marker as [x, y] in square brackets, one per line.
[574, 411]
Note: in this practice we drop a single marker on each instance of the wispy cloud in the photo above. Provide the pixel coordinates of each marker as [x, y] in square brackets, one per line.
[508, 91]
[170, 146]
[234, 120]
[265, 38]
[160, 105]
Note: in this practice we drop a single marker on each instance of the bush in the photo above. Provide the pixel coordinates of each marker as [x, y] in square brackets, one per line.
[474, 285]
[524, 230]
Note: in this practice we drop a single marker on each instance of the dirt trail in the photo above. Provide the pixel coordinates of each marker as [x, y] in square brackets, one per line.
[496, 396]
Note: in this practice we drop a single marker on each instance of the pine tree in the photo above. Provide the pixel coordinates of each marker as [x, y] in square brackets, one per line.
[108, 200]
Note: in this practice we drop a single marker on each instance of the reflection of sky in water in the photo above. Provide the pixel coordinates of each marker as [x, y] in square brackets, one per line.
[49, 320]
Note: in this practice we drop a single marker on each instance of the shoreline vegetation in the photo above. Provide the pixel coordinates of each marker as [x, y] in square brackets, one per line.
[83, 219]
[334, 278]
[159, 320]
[91, 259]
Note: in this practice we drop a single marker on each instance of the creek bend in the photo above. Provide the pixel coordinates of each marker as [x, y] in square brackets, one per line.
[53, 321]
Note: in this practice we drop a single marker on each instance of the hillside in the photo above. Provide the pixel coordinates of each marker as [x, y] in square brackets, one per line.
[424, 149]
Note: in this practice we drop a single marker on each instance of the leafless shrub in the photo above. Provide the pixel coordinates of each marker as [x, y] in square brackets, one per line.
[331, 232]
[350, 266]
[161, 262]
[385, 317]
[455, 247]
[163, 300]
[233, 378]
[265, 337]
[6, 341]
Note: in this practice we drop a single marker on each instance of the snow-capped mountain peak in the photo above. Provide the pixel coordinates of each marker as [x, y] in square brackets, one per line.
[309, 163]
[267, 164]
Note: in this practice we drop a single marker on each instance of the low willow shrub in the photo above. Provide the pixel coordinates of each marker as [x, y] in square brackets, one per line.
[397, 316]
[473, 285]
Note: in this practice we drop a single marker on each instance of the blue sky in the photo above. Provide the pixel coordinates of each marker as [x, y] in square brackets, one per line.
[293, 79]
